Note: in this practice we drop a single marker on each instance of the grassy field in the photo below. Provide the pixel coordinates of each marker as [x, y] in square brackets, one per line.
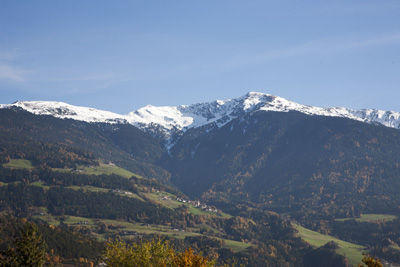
[44, 216]
[371, 218]
[224, 215]
[117, 225]
[101, 169]
[19, 164]
[133, 195]
[69, 220]
[396, 247]
[236, 246]
[149, 229]
[79, 220]
[124, 228]
[107, 169]
[163, 198]
[196, 211]
[40, 184]
[352, 252]
[88, 188]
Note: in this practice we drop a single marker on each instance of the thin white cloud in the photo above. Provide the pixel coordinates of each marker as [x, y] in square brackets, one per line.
[8, 70]
[315, 47]
[330, 46]
[10, 73]
[376, 41]
[90, 77]
[9, 55]
[327, 46]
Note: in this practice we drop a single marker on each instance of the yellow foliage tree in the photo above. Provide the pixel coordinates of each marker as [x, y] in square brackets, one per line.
[155, 253]
[371, 262]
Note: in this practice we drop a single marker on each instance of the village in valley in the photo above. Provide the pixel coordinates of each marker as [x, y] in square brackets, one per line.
[198, 204]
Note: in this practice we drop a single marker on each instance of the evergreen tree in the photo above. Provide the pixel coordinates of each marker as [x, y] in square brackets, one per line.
[29, 249]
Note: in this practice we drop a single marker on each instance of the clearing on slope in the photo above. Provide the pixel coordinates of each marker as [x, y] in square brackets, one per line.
[19, 164]
[352, 252]
[371, 218]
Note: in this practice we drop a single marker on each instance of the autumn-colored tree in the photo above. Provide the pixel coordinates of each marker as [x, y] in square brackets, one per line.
[370, 262]
[155, 253]
[189, 259]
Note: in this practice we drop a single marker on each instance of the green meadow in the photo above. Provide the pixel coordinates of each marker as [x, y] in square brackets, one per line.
[19, 164]
[352, 252]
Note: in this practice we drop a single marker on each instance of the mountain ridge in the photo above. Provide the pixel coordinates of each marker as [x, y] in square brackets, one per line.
[170, 120]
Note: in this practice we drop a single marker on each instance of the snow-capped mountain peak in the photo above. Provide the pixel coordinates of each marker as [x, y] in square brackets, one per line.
[221, 112]
[177, 119]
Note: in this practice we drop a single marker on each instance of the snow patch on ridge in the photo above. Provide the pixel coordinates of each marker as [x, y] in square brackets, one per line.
[66, 111]
[167, 117]
[171, 120]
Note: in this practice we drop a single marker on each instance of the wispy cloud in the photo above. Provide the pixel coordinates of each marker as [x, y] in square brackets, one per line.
[89, 77]
[388, 39]
[8, 72]
[313, 48]
[316, 47]
[8, 69]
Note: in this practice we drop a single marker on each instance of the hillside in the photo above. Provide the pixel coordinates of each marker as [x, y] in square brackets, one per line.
[291, 162]
[54, 142]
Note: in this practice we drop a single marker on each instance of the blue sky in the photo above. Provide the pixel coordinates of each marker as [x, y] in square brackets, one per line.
[121, 55]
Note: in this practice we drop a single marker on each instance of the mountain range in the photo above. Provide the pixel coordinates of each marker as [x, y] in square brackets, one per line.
[263, 160]
[172, 120]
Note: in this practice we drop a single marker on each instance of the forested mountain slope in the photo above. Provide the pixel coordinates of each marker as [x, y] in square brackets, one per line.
[291, 162]
[59, 143]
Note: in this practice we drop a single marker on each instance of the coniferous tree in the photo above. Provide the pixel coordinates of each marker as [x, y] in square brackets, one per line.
[29, 249]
